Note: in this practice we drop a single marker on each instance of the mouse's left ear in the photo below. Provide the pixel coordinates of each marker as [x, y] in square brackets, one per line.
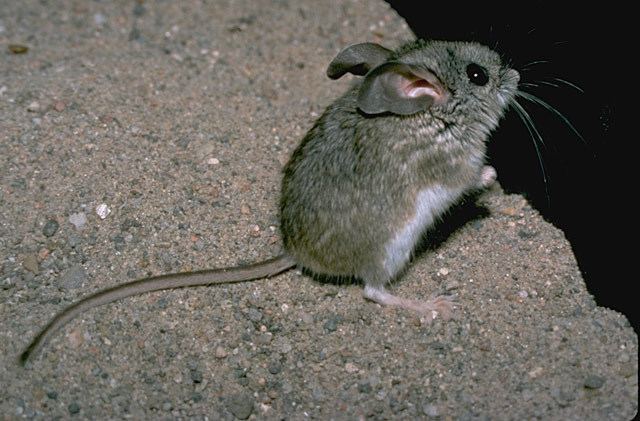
[401, 89]
[358, 59]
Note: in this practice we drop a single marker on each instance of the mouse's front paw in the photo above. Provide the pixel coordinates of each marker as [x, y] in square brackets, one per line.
[488, 176]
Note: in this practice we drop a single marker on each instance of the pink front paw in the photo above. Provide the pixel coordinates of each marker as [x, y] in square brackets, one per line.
[488, 176]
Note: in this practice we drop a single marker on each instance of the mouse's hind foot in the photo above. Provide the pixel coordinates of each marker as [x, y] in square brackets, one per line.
[440, 306]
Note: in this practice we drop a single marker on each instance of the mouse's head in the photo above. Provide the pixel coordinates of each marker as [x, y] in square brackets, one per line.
[459, 83]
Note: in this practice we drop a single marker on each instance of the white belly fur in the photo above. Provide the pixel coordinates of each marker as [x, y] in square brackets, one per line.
[430, 203]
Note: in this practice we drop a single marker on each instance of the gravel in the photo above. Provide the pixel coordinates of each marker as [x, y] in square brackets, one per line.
[50, 228]
[179, 116]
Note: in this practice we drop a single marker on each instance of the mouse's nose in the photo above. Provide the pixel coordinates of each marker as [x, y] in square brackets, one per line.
[512, 76]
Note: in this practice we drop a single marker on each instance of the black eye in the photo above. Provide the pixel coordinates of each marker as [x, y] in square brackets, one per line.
[477, 74]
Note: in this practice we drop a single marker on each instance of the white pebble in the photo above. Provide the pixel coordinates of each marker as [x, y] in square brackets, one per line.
[78, 219]
[536, 372]
[99, 19]
[351, 368]
[443, 271]
[103, 210]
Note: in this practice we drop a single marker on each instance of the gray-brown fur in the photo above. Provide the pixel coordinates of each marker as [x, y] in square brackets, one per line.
[352, 182]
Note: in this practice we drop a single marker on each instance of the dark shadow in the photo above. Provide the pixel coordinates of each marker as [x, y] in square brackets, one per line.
[335, 280]
[466, 212]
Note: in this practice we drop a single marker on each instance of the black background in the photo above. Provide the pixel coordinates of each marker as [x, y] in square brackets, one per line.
[590, 186]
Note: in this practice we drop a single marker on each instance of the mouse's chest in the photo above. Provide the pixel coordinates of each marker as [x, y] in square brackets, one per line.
[429, 204]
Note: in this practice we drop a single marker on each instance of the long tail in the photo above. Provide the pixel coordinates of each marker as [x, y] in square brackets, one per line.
[265, 269]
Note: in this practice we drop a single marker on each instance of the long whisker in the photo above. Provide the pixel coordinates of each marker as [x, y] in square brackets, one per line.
[557, 79]
[572, 85]
[536, 100]
[525, 115]
[535, 136]
[533, 63]
[529, 84]
[544, 82]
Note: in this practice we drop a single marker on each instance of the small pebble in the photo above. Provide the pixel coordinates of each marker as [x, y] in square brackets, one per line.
[73, 408]
[75, 338]
[351, 368]
[264, 338]
[430, 410]
[103, 210]
[50, 228]
[443, 271]
[524, 234]
[254, 314]
[283, 346]
[18, 48]
[536, 372]
[73, 278]
[274, 367]
[78, 220]
[30, 263]
[99, 19]
[220, 352]
[307, 318]
[626, 369]
[593, 382]
[364, 387]
[240, 405]
[59, 106]
[196, 376]
[331, 325]
[33, 107]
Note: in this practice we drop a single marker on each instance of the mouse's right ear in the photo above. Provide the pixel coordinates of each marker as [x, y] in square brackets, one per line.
[358, 59]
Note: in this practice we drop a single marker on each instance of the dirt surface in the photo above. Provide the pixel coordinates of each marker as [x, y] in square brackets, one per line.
[174, 120]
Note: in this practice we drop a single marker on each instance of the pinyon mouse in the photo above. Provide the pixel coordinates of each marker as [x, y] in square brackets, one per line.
[377, 169]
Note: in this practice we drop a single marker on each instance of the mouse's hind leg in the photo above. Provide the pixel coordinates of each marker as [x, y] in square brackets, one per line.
[439, 306]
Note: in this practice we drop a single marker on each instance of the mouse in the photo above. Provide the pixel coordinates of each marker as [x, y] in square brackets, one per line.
[379, 167]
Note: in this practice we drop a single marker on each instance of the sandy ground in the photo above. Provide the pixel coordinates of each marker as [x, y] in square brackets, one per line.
[178, 117]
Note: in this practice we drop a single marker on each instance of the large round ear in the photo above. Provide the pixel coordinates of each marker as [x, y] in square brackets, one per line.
[400, 88]
[357, 59]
